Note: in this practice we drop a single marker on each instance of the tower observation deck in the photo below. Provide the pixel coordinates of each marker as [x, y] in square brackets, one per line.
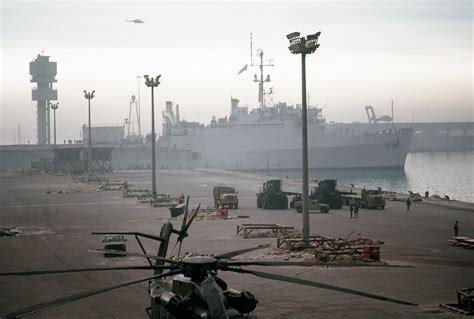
[43, 73]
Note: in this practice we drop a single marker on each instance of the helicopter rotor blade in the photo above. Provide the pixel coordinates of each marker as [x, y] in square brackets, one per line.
[235, 253]
[193, 215]
[186, 212]
[304, 263]
[126, 253]
[185, 227]
[65, 300]
[183, 233]
[316, 284]
[186, 209]
[268, 263]
[76, 270]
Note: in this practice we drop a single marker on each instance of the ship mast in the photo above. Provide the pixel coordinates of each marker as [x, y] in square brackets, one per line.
[261, 91]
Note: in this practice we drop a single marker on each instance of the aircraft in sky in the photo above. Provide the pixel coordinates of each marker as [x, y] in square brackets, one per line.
[135, 21]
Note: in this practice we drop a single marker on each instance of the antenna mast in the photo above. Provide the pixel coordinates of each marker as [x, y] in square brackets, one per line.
[261, 91]
[251, 49]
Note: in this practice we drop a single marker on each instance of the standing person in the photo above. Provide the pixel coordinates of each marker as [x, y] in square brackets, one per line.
[408, 203]
[181, 199]
[356, 210]
[456, 229]
[351, 207]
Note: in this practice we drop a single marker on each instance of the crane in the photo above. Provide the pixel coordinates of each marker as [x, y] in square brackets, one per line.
[373, 118]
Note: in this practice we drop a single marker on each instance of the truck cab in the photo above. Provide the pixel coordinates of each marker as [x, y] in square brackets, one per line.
[114, 242]
[225, 196]
[372, 199]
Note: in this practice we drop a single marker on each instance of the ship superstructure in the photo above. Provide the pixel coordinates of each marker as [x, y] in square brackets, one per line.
[270, 138]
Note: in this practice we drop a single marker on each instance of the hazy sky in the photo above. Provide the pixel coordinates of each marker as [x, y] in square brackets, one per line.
[418, 53]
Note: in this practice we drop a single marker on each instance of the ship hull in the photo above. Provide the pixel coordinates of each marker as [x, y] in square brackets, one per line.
[226, 150]
[380, 155]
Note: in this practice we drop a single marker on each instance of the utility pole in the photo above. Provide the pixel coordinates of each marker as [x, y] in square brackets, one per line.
[89, 96]
[55, 106]
[152, 83]
[304, 45]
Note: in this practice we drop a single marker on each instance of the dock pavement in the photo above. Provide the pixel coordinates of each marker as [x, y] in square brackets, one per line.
[56, 216]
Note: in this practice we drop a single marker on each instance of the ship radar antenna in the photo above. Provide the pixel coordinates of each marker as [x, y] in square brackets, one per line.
[261, 80]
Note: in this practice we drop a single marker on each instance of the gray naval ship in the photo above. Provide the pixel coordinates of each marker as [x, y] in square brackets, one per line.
[269, 137]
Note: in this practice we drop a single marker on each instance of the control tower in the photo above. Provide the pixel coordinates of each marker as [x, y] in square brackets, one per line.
[43, 73]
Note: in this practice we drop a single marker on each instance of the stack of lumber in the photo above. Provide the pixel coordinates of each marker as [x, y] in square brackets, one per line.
[465, 242]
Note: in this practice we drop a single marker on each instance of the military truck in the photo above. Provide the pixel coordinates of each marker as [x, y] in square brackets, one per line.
[372, 199]
[225, 196]
[114, 242]
[314, 206]
[271, 195]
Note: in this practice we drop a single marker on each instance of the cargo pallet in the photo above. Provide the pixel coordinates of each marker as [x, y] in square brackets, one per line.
[465, 242]
[246, 229]
[465, 303]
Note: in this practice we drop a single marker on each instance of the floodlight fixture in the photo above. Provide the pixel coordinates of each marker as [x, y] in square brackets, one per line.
[303, 45]
[152, 82]
[89, 95]
[293, 35]
[295, 48]
[54, 106]
[313, 36]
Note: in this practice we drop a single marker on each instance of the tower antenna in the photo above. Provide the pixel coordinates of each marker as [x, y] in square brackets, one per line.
[251, 49]
[261, 65]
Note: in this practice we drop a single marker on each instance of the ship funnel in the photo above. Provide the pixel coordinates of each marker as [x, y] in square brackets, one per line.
[234, 103]
[169, 107]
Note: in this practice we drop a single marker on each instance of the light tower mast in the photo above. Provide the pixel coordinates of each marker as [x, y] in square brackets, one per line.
[43, 73]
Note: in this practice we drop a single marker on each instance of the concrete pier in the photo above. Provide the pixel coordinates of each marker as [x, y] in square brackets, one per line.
[56, 234]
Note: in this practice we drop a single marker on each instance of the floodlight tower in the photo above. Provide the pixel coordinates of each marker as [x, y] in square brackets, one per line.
[89, 96]
[304, 45]
[43, 73]
[54, 106]
[153, 83]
